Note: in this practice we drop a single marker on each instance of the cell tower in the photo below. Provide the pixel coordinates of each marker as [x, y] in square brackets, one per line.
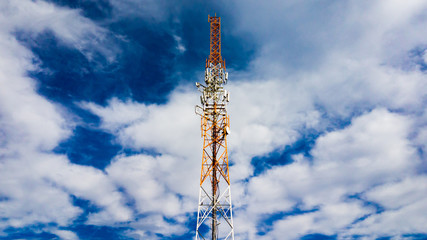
[215, 215]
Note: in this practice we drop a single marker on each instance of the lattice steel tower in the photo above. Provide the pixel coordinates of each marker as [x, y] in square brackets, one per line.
[215, 216]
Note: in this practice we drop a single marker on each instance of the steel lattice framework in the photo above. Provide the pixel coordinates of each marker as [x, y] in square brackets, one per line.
[215, 215]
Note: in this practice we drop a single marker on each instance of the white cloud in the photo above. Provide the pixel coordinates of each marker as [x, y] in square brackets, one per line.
[167, 128]
[29, 123]
[404, 202]
[395, 195]
[31, 199]
[329, 220]
[345, 57]
[65, 234]
[35, 184]
[406, 220]
[372, 151]
[68, 25]
[146, 227]
[29, 120]
[38, 188]
[180, 46]
[148, 180]
[119, 114]
[87, 183]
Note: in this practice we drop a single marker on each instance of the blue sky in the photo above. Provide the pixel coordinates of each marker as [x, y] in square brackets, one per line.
[99, 139]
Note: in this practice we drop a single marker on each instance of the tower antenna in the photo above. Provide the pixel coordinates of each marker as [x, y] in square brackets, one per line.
[214, 214]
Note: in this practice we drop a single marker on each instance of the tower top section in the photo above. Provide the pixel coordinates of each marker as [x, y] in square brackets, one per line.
[215, 57]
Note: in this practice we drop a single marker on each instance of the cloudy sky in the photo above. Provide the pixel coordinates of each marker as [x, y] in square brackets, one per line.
[99, 139]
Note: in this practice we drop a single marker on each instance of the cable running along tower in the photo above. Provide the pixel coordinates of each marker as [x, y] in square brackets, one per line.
[215, 216]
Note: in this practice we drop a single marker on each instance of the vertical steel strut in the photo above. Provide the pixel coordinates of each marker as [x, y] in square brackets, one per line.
[215, 194]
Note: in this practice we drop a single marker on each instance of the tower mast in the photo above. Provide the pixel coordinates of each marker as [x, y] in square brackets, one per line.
[214, 215]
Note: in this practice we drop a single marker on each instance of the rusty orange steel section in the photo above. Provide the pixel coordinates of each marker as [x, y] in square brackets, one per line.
[215, 153]
[215, 119]
[215, 43]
